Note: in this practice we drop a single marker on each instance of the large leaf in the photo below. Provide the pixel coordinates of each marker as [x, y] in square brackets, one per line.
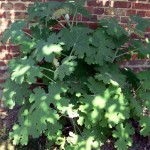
[77, 40]
[123, 133]
[112, 27]
[14, 33]
[25, 70]
[47, 49]
[14, 93]
[103, 50]
[66, 68]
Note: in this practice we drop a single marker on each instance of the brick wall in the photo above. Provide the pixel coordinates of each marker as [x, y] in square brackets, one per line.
[12, 10]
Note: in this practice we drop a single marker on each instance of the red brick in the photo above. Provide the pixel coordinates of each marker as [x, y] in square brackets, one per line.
[130, 12]
[122, 4]
[4, 56]
[2, 14]
[90, 9]
[124, 19]
[98, 3]
[93, 18]
[17, 15]
[98, 11]
[7, 6]
[147, 13]
[92, 25]
[141, 13]
[19, 6]
[2, 48]
[148, 29]
[13, 48]
[136, 62]
[140, 6]
[2, 81]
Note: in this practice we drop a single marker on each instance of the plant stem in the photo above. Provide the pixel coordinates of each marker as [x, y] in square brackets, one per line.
[134, 94]
[74, 126]
[125, 53]
[74, 45]
[67, 22]
[60, 23]
[47, 69]
[115, 55]
[48, 77]
[28, 34]
[77, 127]
[74, 16]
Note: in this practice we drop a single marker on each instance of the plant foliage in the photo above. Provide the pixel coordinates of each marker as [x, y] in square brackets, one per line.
[71, 78]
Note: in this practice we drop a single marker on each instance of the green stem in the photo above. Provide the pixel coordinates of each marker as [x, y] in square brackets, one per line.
[74, 16]
[134, 94]
[47, 69]
[67, 22]
[48, 77]
[74, 45]
[77, 127]
[64, 54]
[60, 23]
[74, 126]
[125, 53]
[28, 34]
[72, 49]
[115, 55]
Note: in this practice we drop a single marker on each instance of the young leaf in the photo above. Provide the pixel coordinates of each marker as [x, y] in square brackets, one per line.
[15, 32]
[47, 50]
[122, 134]
[66, 68]
[145, 124]
[112, 27]
[25, 71]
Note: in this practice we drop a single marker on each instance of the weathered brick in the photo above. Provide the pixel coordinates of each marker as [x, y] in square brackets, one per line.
[17, 15]
[7, 6]
[147, 13]
[90, 9]
[141, 13]
[19, 6]
[122, 4]
[98, 11]
[98, 3]
[124, 19]
[141, 6]
[130, 12]
[13, 48]
[4, 56]
[2, 14]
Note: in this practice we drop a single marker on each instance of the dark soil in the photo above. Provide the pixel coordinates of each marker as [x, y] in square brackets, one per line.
[9, 117]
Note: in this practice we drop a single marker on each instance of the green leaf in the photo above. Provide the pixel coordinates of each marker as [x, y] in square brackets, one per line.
[77, 39]
[55, 90]
[110, 74]
[11, 96]
[116, 107]
[112, 27]
[141, 23]
[15, 32]
[96, 87]
[43, 10]
[26, 70]
[103, 47]
[145, 124]
[123, 133]
[66, 68]
[41, 108]
[47, 50]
